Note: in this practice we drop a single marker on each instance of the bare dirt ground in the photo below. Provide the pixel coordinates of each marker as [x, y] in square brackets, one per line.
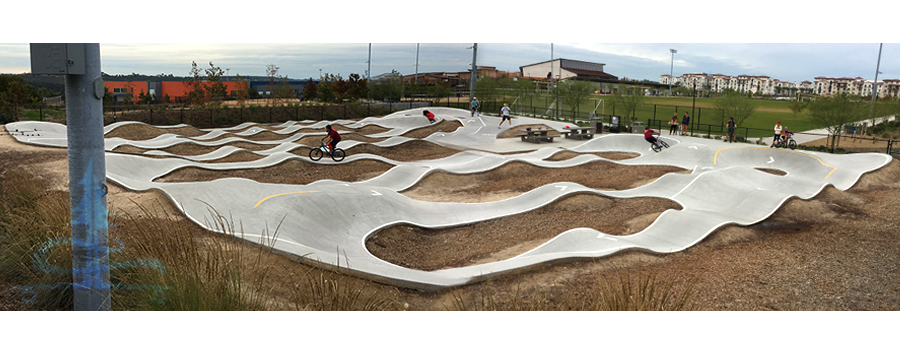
[837, 251]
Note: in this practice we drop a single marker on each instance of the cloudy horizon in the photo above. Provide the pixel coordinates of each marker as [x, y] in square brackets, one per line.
[335, 43]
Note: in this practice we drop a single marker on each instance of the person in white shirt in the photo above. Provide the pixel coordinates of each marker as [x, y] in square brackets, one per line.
[504, 113]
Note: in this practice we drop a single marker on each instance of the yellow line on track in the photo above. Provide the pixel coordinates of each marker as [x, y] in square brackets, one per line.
[278, 195]
[716, 156]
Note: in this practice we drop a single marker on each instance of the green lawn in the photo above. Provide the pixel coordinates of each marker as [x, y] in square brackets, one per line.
[661, 108]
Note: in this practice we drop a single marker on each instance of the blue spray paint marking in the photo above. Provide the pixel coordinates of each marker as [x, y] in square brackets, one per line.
[91, 212]
[40, 262]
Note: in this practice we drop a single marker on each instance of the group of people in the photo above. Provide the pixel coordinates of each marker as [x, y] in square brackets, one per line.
[781, 133]
[673, 124]
[504, 113]
[648, 133]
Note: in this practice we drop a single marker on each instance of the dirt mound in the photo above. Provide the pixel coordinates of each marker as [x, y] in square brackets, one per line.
[515, 178]
[413, 150]
[887, 177]
[424, 132]
[260, 136]
[136, 132]
[614, 155]
[293, 171]
[191, 149]
[503, 238]
[511, 133]
[772, 171]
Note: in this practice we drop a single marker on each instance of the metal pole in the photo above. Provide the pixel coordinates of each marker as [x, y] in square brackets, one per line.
[369, 76]
[672, 70]
[474, 74]
[417, 63]
[87, 185]
[875, 85]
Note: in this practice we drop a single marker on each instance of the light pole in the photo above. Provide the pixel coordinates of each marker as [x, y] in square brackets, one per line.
[672, 70]
[875, 85]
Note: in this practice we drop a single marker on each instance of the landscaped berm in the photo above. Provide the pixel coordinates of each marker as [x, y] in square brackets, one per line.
[455, 215]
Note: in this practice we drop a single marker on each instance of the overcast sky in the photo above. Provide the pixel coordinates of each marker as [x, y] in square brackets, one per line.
[307, 39]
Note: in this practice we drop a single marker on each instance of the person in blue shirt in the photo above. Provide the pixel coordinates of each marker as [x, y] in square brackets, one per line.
[474, 105]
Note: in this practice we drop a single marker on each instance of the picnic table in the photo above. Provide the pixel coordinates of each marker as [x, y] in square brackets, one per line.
[536, 135]
[580, 133]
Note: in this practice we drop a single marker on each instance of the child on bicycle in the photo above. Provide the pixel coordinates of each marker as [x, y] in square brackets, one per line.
[429, 115]
[648, 135]
[332, 138]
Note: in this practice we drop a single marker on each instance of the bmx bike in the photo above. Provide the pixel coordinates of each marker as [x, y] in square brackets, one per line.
[317, 153]
[660, 144]
[787, 141]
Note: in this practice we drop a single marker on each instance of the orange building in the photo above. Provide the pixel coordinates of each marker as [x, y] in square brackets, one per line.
[176, 90]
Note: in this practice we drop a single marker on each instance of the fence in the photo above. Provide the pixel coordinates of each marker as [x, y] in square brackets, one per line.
[171, 114]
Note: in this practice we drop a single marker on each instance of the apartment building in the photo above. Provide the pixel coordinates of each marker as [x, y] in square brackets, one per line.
[762, 84]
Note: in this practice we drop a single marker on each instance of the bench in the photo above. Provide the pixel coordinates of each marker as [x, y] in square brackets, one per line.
[580, 133]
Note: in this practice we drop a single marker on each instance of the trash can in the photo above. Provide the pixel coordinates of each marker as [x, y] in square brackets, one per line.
[637, 127]
[597, 125]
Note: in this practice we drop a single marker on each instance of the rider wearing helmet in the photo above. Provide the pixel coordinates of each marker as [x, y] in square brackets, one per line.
[332, 137]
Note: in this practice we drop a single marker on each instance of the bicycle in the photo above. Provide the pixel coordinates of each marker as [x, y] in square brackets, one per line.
[787, 141]
[316, 154]
[660, 144]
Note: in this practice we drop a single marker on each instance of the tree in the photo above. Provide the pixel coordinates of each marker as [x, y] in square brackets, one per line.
[834, 113]
[525, 89]
[283, 90]
[14, 95]
[271, 71]
[215, 88]
[735, 105]
[388, 88]
[359, 87]
[310, 90]
[438, 92]
[573, 92]
[242, 92]
[796, 107]
[325, 89]
[627, 99]
[129, 90]
[487, 90]
[198, 94]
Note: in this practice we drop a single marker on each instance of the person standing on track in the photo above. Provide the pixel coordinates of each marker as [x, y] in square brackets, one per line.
[777, 133]
[731, 126]
[673, 124]
[474, 105]
[684, 123]
[331, 139]
[504, 113]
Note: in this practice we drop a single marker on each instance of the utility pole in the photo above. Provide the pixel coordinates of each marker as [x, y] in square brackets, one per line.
[875, 85]
[672, 71]
[474, 74]
[80, 63]
[417, 63]
[369, 74]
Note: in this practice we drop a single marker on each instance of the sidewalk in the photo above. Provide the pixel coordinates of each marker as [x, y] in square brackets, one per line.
[816, 134]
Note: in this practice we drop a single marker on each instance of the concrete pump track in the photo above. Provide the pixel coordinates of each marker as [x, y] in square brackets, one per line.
[327, 222]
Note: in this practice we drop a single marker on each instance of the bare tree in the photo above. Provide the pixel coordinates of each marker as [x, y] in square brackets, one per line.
[735, 105]
[834, 113]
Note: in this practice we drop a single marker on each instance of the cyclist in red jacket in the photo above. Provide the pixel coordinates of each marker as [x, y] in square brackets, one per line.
[332, 138]
[429, 115]
[648, 135]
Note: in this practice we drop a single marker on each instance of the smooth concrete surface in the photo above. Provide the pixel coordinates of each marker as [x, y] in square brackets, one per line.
[328, 221]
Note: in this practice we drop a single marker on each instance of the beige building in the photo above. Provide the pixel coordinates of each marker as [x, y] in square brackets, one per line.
[562, 69]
